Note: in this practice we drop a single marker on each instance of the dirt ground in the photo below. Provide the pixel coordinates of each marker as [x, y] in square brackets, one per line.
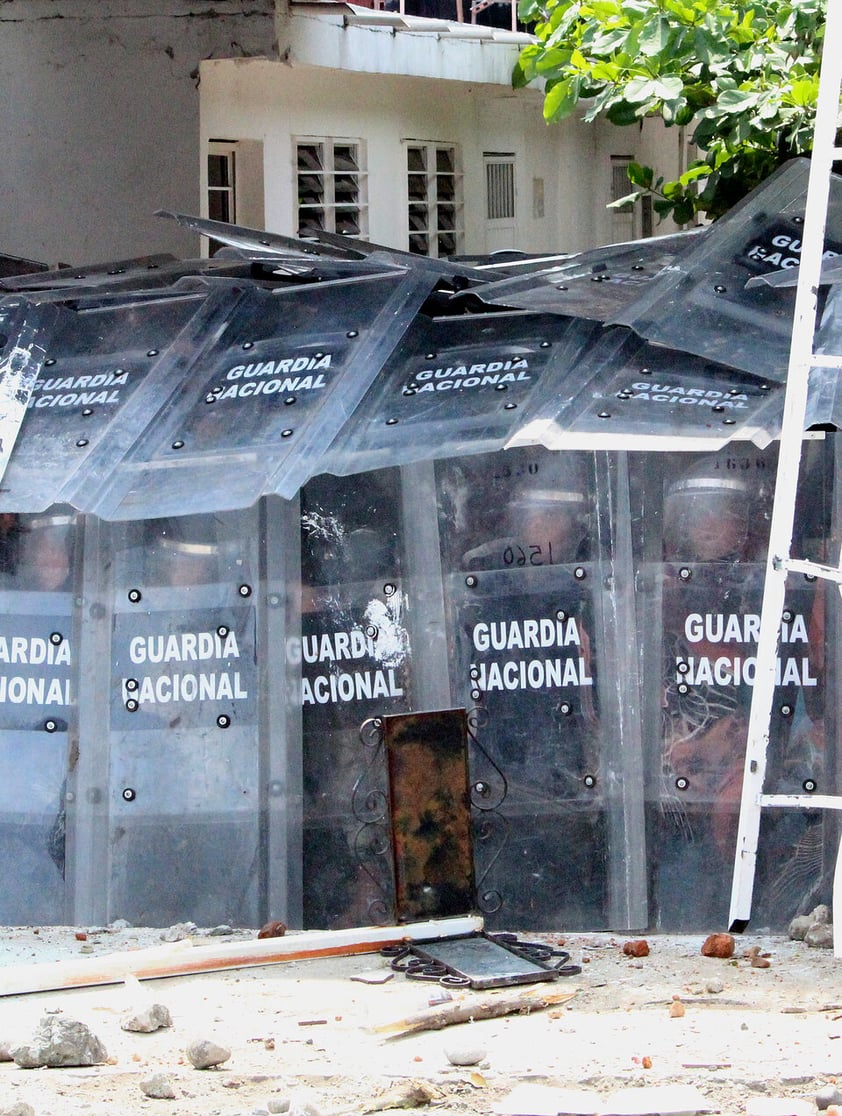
[303, 1032]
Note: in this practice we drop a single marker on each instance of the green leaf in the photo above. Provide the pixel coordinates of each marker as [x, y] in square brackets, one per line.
[560, 99]
[654, 37]
[640, 175]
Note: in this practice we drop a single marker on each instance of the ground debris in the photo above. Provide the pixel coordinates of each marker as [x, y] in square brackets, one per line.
[406, 1094]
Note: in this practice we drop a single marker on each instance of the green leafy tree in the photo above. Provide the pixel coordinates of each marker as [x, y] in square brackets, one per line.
[741, 78]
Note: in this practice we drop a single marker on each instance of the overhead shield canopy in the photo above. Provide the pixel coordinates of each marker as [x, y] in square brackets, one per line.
[165, 387]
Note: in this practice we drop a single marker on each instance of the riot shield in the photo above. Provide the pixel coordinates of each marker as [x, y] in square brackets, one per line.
[184, 781]
[708, 594]
[518, 538]
[37, 559]
[354, 658]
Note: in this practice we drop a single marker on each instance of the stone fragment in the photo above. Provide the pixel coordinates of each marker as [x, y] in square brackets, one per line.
[205, 1053]
[819, 936]
[778, 1106]
[677, 1009]
[159, 1086]
[638, 948]
[464, 1054]
[799, 926]
[59, 1041]
[714, 986]
[278, 1104]
[830, 1094]
[657, 1100]
[19, 1108]
[147, 1019]
[178, 931]
[6, 1050]
[119, 924]
[546, 1100]
[221, 931]
[272, 930]
[718, 945]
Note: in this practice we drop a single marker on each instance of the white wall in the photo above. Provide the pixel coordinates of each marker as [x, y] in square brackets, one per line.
[99, 119]
[272, 102]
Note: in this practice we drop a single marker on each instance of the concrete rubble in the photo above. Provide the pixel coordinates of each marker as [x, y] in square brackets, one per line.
[303, 1037]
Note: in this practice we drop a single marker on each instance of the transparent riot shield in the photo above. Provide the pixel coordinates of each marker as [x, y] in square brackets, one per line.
[707, 594]
[354, 660]
[37, 560]
[519, 537]
[184, 766]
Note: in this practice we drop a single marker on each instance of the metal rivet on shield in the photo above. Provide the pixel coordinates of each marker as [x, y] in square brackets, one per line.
[223, 720]
[798, 220]
[682, 783]
[210, 397]
[685, 573]
[787, 616]
[471, 581]
[135, 595]
[430, 356]
[580, 573]
[682, 667]
[50, 726]
[408, 391]
[683, 688]
[719, 289]
[178, 444]
[87, 412]
[290, 399]
[248, 344]
[476, 695]
[561, 287]
[718, 409]
[545, 344]
[131, 685]
[151, 352]
[786, 710]
[603, 414]
[809, 785]
[392, 422]
[353, 333]
[287, 433]
[729, 422]
[509, 406]
[474, 673]
[809, 577]
[561, 614]
[501, 387]
[132, 705]
[389, 589]
[129, 794]
[589, 780]
[244, 590]
[565, 709]
[81, 442]
[56, 638]
[222, 631]
[371, 631]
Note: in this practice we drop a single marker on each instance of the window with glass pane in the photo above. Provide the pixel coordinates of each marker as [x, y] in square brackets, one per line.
[434, 200]
[221, 184]
[331, 184]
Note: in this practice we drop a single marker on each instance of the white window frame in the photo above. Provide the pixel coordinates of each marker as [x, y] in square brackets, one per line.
[500, 187]
[243, 188]
[330, 181]
[633, 220]
[435, 201]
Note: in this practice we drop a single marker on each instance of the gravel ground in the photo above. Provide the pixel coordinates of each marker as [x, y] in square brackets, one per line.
[303, 1032]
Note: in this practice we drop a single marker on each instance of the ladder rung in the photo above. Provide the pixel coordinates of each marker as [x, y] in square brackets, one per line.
[812, 569]
[803, 801]
[825, 360]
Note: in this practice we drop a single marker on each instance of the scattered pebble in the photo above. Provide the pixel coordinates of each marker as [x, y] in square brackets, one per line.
[718, 945]
[147, 1019]
[158, 1086]
[464, 1054]
[205, 1053]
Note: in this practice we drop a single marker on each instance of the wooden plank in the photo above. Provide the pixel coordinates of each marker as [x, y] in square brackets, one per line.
[184, 958]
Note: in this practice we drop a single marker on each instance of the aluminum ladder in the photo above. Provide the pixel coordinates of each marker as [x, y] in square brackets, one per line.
[779, 561]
